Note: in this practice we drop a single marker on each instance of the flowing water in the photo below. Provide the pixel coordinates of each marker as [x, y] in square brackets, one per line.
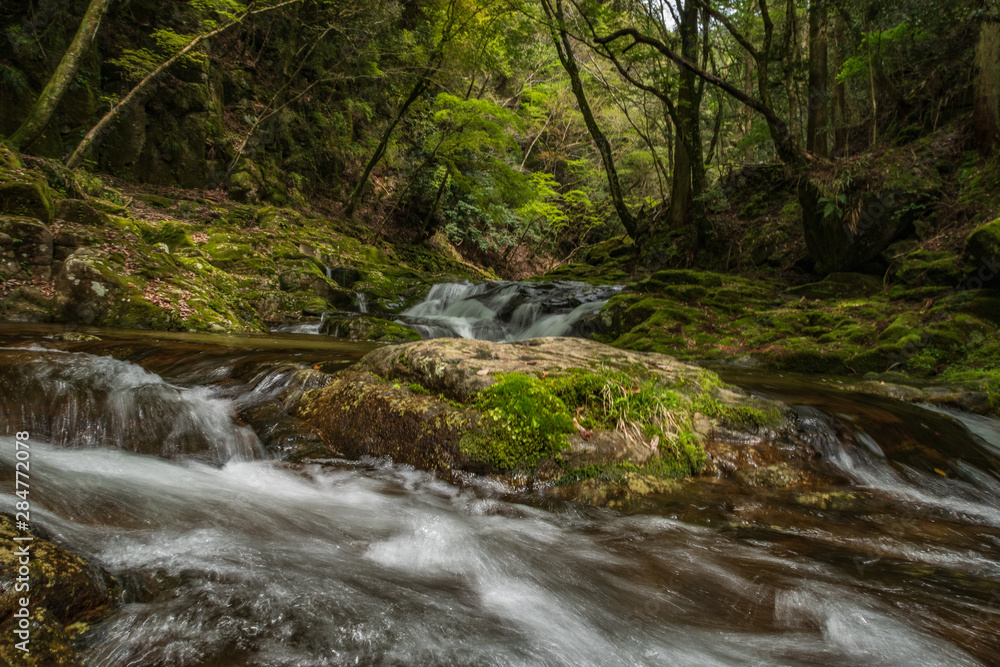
[504, 311]
[231, 557]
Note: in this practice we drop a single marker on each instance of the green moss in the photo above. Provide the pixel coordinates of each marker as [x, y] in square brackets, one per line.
[523, 421]
[984, 243]
[668, 465]
[418, 388]
[27, 194]
[156, 201]
[173, 234]
[743, 417]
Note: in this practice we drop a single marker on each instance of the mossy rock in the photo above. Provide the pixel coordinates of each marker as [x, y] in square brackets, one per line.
[923, 267]
[8, 158]
[247, 184]
[174, 235]
[368, 328]
[79, 211]
[26, 195]
[984, 245]
[156, 201]
[67, 594]
[30, 245]
[840, 286]
[530, 408]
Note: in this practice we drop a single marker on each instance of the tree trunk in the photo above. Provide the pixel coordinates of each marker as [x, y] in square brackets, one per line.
[840, 118]
[689, 165]
[987, 96]
[418, 90]
[43, 108]
[816, 132]
[564, 49]
[425, 233]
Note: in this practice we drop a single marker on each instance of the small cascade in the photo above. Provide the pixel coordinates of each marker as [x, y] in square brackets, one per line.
[362, 302]
[965, 491]
[504, 311]
[82, 400]
[329, 272]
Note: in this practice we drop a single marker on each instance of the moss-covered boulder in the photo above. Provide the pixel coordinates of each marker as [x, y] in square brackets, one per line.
[80, 211]
[984, 245]
[67, 594]
[26, 194]
[545, 410]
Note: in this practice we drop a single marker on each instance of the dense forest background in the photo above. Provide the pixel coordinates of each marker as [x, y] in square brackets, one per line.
[742, 135]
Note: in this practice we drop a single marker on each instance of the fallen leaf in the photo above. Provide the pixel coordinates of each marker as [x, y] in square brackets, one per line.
[655, 442]
[483, 372]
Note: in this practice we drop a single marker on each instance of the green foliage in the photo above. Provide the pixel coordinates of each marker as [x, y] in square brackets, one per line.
[882, 42]
[13, 79]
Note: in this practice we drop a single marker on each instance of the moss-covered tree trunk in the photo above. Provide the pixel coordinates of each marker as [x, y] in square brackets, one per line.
[816, 130]
[987, 99]
[686, 205]
[43, 108]
[686, 117]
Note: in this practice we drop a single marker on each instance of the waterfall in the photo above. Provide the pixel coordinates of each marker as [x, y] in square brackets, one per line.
[86, 400]
[362, 302]
[500, 310]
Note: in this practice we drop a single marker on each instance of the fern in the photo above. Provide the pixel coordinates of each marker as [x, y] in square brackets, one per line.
[13, 79]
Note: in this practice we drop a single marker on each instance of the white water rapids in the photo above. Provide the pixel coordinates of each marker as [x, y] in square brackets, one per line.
[259, 565]
[231, 559]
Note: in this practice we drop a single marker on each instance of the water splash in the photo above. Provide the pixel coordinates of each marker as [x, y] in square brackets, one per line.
[84, 400]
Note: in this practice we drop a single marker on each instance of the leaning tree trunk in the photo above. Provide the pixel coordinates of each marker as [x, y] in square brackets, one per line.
[987, 96]
[43, 108]
[816, 131]
[418, 89]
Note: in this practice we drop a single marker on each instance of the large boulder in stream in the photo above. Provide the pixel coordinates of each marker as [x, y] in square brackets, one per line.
[66, 595]
[565, 415]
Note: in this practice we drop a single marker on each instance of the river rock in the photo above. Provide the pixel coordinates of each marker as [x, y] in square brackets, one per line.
[422, 404]
[67, 594]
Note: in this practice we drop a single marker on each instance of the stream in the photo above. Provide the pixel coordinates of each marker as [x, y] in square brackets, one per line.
[232, 557]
